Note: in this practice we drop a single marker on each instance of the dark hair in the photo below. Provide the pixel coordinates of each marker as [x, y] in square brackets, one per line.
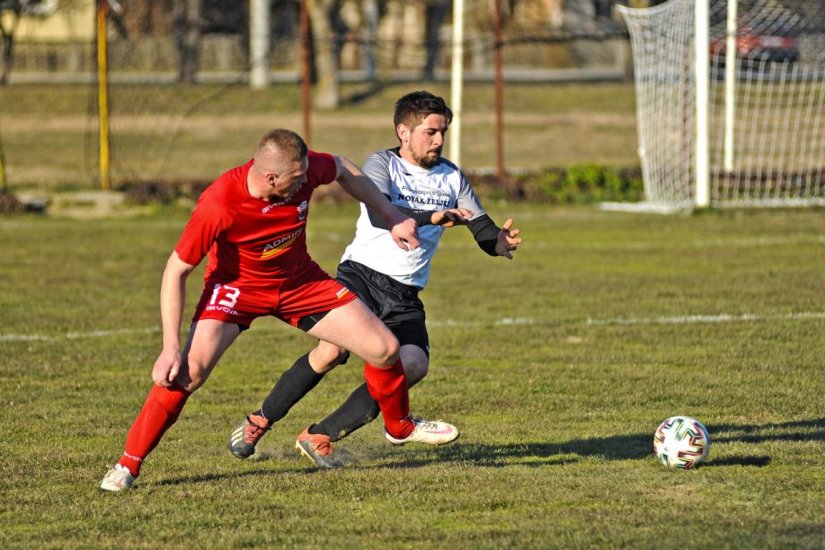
[414, 107]
[286, 141]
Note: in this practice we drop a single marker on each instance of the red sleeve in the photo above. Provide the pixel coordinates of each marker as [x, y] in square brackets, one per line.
[322, 168]
[208, 220]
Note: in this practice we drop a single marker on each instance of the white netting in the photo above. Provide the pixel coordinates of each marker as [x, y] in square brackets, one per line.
[662, 41]
[770, 147]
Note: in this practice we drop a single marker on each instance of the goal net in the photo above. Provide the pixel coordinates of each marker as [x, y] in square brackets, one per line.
[758, 138]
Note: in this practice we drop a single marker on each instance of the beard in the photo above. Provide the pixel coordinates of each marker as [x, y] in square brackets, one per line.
[427, 161]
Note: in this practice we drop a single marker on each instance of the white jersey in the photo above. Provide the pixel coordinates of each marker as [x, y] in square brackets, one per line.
[438, 188]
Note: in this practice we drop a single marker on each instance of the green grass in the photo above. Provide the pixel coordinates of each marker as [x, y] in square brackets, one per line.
[184, 133]
[557, 367]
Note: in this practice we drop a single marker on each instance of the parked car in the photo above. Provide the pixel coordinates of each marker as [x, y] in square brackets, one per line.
[755, 48]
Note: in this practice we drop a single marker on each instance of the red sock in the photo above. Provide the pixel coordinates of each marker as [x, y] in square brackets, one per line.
[159, 412]
[389, 387]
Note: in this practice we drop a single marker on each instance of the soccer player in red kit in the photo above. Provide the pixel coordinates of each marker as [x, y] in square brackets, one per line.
[251, 225]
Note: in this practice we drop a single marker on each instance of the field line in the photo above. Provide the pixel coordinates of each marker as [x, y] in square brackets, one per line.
[504, 321]
[75, 335]
[694, 319]
[673, 320]
[655, 245]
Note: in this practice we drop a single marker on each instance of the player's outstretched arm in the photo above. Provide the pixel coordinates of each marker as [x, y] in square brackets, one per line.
[172, 294]
[508, 240]
[357, 184]
[451, 217]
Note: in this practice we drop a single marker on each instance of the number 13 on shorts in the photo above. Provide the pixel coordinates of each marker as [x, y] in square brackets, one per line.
[229, 299]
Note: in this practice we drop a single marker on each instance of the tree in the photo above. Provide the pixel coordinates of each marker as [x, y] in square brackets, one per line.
[10, 11]
[322, 15]
[434, 13]
[186, 20]
[188, 25]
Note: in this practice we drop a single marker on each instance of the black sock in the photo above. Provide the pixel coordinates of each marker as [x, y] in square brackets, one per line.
[358, 410]
[295, 383]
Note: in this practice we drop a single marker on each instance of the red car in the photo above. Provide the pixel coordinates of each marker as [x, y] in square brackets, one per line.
[753, 47]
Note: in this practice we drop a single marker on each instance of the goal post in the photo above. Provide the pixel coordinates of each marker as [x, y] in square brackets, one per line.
[701, 78]
[730, 99]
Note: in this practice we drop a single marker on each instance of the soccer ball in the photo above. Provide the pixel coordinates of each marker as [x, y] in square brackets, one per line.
[681, 442]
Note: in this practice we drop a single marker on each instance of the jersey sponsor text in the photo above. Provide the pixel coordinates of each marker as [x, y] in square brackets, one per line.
[279, 245]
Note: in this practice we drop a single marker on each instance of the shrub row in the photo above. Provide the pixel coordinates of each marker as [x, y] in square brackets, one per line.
[578, 184]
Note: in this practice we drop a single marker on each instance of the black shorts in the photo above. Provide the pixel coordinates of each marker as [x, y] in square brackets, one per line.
[396, 304]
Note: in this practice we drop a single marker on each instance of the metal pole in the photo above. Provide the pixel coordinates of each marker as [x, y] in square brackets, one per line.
[103, 95]
[457, 80]
[259, 44]
[702, 68]
[730, 84]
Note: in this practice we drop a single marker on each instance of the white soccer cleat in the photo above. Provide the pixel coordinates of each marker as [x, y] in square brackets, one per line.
[117, 480]
[433, 432]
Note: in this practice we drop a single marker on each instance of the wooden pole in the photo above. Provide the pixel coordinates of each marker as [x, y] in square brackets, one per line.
[499, 86]
[4, 183]
[306, 68]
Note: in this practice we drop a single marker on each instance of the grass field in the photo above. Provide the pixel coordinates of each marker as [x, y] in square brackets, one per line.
[185, 133]
[557, 367]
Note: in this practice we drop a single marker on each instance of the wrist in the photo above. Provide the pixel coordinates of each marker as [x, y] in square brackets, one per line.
[171, 346]
[395, 217]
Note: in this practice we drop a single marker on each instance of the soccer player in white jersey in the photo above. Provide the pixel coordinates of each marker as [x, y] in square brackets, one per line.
[435, 193]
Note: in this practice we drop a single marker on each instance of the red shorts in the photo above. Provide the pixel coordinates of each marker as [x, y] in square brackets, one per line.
[312, 292]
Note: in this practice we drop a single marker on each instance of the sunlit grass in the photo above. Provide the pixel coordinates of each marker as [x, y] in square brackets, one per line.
[557, 367]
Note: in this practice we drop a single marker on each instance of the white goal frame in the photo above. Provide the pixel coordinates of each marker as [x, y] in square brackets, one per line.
[726, 130]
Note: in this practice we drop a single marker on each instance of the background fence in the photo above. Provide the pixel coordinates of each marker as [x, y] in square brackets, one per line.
[167, 128]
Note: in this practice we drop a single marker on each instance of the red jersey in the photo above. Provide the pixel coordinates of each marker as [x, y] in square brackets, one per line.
[252, 241]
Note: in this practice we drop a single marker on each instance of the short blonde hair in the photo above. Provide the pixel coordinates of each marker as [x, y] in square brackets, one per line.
[285, 141]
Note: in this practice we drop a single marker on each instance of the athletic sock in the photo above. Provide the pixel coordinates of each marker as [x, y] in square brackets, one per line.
[160, 410]
[358, 410]
[388, 386]
[295, 383]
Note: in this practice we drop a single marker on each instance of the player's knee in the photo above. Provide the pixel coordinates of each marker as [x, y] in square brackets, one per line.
[416, 362]
[416, 370]
[385, 352]
[380, 350]
[194, 383]
[383, 360]
[192, 376]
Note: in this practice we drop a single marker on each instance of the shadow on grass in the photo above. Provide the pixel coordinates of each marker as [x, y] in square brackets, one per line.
[618, 447]
[258, 472]
[623, 447]
[756, 461]
[798, 430]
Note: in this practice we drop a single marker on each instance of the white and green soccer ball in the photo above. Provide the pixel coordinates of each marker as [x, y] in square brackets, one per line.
[681, 442]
